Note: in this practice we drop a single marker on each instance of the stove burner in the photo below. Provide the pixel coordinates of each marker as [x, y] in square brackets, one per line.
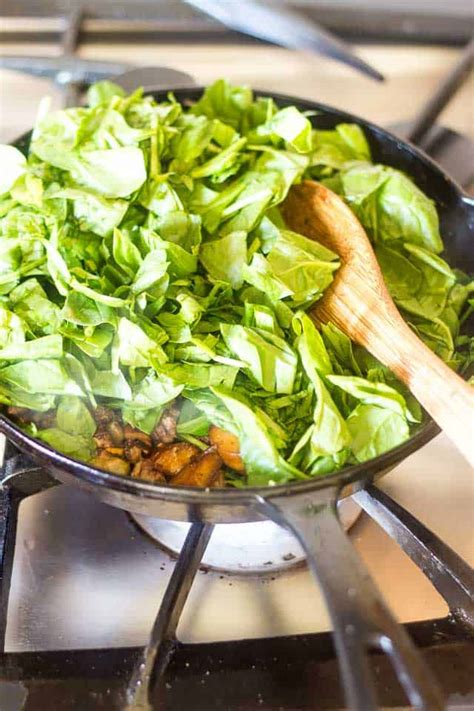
[156, 667]
[260, 548]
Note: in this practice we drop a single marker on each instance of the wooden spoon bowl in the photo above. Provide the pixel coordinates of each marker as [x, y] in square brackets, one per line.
[359, 303]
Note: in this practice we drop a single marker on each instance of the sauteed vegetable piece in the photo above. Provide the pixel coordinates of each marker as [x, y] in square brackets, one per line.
[122, 449]
[172, 458]
[153, 302]
[228, 447]
[203, 470]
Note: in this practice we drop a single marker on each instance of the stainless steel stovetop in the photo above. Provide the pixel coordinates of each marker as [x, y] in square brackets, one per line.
[86, 585]
[85, 576]
[86, 582]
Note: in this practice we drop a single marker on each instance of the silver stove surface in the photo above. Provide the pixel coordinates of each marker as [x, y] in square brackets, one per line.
[85, 576]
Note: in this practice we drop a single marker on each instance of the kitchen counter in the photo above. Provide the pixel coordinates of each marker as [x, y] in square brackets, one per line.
[411, 73]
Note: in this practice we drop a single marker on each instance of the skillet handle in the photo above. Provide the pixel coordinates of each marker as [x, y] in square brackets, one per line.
[360, 618]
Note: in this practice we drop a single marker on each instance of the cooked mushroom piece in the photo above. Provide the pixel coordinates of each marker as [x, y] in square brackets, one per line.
[115, 452]
[171, 458]
[131, 434]
[134, 453]
[227, 444]
[165, 430]
[24, 416]
[111, 463]
[202, 470]
[102, 438]
[104, 415]
[137, 446]
[115, 430]
[147, 470]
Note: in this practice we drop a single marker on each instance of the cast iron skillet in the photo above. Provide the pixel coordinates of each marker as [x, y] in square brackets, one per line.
[360, 617]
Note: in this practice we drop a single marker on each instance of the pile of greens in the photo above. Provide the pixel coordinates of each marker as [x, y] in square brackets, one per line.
[143, 258]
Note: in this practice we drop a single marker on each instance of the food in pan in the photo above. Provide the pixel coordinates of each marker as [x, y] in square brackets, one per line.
[153, 314]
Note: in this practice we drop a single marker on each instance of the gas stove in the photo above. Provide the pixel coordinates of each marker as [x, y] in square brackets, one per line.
[82, 583]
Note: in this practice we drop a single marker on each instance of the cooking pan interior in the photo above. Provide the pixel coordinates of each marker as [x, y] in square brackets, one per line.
[457, 227]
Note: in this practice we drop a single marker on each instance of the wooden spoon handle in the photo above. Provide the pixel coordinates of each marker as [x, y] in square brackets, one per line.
[444, 394]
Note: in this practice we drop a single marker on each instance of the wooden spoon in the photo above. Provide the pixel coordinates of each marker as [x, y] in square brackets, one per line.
[359, 304]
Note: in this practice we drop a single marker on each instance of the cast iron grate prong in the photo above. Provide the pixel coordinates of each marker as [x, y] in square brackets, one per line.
[157, 653]
[452, 577]
[69, 41]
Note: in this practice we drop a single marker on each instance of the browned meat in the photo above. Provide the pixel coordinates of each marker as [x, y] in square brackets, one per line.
[171, 458]
[228, 447]
[165, 431]
[203, 470]
[147, 470]
[24, 416]
[111, 463]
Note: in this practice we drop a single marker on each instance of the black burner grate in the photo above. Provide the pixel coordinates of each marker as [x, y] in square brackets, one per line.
[271, 674]
[171, 20]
